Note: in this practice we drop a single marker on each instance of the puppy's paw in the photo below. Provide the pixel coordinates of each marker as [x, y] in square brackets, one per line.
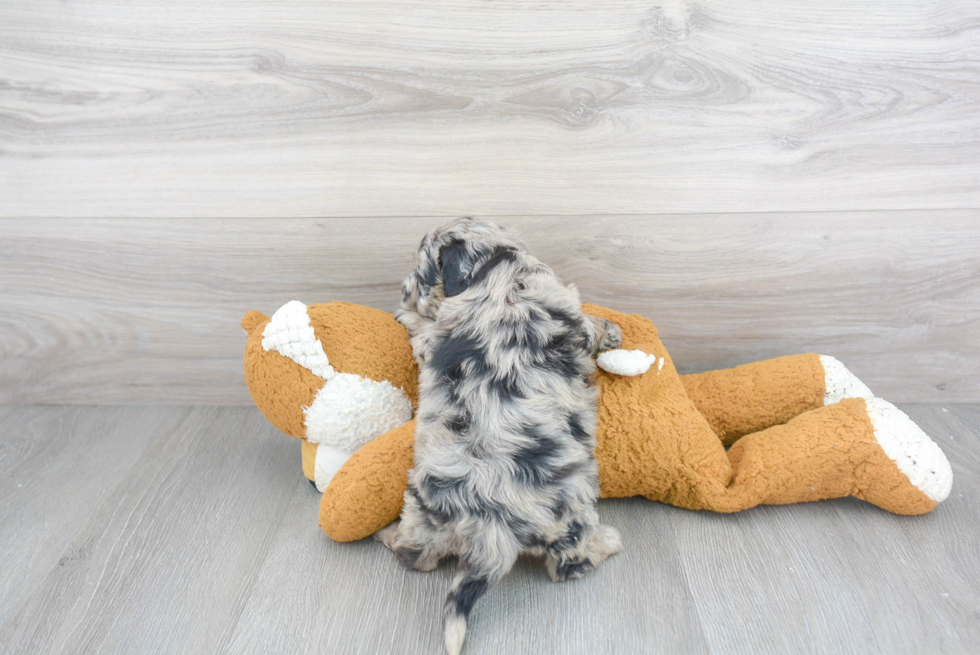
[420, 347]
[605, 541]
[605, 335]
[388, 535]
[417, 560]
[612, 337]
[573, 569]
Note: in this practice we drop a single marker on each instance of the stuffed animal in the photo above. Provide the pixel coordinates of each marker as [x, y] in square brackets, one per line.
[799, 428]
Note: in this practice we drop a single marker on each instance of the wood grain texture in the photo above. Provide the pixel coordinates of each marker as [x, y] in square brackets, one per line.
[148, 311]
[845, 577]
[203, 539]
[47, 461]
[253, 108]
[356, 598]
[165, 562]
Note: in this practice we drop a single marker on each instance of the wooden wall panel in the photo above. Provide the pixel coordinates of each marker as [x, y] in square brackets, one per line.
[210, 108]
[111, 311]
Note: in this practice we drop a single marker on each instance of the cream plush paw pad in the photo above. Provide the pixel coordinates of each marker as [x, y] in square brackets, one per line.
[627, 362]
[916, 455]
[840, 382]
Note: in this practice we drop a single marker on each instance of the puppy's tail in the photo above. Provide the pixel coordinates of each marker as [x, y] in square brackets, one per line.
[467, 588]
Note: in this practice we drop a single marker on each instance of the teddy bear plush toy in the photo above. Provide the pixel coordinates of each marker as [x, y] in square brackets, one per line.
[800, 428]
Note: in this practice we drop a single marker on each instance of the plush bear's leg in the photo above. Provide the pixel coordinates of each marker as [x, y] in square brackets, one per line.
[864, 448]
[321, 462]
[366, 494]
[308, 453]
[752, 397]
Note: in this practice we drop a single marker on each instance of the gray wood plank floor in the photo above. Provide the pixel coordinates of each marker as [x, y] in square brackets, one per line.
[191, 530]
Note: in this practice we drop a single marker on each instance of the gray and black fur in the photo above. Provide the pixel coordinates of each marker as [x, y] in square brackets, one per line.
[505, 436]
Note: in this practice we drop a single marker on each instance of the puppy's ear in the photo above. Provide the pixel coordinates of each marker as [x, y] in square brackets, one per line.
[456, 263]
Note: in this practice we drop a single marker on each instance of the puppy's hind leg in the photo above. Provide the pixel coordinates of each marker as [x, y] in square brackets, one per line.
[571, 559]
[605, 541]
[491, 554]
[414, 541]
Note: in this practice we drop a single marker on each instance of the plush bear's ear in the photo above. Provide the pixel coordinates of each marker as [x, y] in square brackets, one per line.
[456, 262]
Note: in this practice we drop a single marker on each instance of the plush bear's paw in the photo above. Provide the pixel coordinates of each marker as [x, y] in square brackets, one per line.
[627, 362]
[916, 455]
[840, 383]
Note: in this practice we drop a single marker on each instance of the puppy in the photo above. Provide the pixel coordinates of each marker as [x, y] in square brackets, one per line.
[505, 433]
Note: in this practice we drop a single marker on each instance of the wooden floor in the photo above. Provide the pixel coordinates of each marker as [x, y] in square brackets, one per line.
[192, 530]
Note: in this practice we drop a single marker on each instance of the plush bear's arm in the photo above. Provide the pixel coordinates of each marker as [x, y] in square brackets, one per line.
[752, 397]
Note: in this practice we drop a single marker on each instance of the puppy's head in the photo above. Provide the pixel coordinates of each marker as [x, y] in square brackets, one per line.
[447, 260]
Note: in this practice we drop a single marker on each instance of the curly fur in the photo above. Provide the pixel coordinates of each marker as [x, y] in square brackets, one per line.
[505, 437]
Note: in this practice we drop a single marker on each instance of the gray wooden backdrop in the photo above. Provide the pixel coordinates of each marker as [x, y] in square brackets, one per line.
[147, 311]
[759, 178]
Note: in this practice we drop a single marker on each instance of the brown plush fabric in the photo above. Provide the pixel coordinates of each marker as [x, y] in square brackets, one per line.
[367, 492]
[652, 439]
[829, 452]
[252, 320]
[279, 386]
[752, 397]
[354, 335]
[309, 460]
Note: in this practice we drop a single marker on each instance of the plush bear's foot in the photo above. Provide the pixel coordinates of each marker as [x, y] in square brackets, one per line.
[911, 450]
[840, 383]
[862, 447]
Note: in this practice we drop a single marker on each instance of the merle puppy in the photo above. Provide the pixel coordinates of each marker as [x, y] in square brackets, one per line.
[505, 436]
